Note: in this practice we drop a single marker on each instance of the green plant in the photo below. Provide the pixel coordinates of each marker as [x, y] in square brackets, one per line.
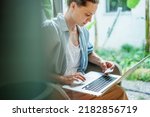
[47, 7]
[142, 74]
[126, 57]
[127, 48]
[90, 25]
[132, 3]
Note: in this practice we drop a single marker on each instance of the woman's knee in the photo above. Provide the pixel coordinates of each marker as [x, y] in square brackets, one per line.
[122, 94]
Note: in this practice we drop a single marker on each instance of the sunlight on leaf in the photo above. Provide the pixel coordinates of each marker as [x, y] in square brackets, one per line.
[132, 3]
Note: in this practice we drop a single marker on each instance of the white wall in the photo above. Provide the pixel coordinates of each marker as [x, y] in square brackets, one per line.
[130, 27]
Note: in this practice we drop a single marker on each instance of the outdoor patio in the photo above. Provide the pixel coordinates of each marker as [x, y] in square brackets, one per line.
[137, 90]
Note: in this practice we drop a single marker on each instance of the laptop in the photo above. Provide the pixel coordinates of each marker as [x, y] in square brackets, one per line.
[98, 83]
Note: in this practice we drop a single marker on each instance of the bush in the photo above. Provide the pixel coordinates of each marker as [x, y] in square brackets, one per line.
[126, 57]
[140, 74]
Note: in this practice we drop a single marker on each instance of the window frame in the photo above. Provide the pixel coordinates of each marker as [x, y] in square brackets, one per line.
[107, 8]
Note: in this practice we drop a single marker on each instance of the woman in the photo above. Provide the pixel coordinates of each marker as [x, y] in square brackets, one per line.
[69, 49]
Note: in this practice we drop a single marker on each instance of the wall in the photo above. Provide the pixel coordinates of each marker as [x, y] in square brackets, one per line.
[130, 27]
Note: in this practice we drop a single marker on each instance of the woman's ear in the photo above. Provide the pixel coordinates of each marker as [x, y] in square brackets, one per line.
[73, 5]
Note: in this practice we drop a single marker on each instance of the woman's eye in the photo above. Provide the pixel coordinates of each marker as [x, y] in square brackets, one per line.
[87, 15]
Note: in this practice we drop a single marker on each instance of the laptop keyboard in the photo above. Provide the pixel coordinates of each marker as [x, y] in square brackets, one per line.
[99, 83]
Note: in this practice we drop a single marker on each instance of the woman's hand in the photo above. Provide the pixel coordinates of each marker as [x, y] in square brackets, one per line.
[94, 58]
[106, 65]
[70, 78]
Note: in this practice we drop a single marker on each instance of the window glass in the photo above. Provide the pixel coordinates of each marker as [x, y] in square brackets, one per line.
[47, 9]
[112, 5]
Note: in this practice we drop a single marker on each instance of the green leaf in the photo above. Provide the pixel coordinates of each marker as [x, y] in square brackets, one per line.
[132, 3]
[89, 26]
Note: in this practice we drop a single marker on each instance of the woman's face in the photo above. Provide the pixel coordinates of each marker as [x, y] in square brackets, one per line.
[81, 15]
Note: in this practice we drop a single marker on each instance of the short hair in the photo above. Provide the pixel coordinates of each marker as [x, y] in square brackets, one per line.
[81, 2]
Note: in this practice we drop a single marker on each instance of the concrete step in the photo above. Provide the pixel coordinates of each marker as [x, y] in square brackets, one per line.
[137, 90]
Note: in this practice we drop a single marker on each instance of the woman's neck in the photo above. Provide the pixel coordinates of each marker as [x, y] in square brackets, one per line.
[70, 23]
